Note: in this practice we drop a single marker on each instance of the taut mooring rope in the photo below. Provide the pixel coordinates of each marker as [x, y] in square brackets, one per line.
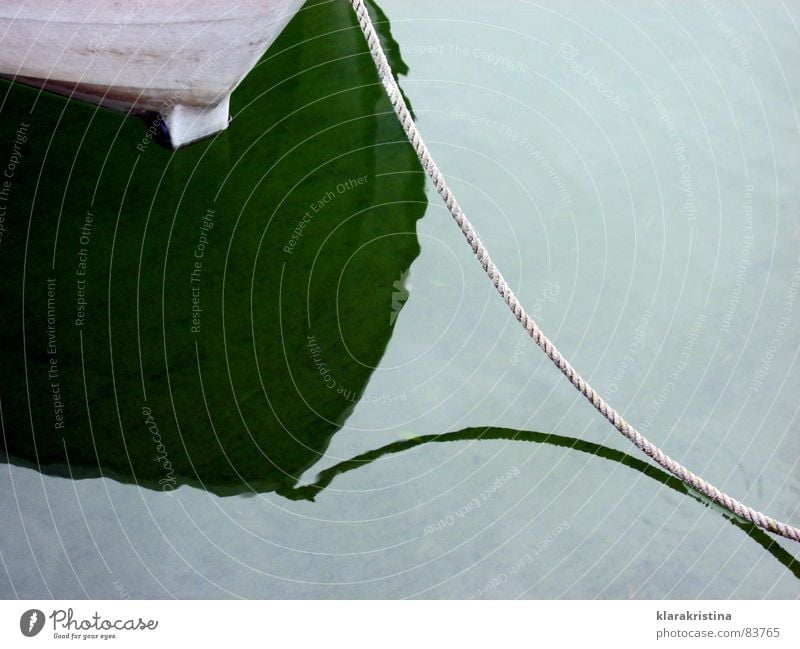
[410, 128]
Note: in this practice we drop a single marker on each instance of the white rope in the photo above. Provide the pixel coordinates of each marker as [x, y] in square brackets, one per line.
[410, 128]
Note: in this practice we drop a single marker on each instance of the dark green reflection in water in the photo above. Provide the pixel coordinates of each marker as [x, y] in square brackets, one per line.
[210, 316]
[308, 492]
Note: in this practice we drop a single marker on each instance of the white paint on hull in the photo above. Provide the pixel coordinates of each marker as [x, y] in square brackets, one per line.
[187, 124]
[180, 58]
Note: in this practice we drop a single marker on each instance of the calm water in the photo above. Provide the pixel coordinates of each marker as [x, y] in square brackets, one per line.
[267, 366]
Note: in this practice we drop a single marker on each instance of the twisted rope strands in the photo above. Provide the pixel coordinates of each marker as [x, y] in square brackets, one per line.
[482, 254]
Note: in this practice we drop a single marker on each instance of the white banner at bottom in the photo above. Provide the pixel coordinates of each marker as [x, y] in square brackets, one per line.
[355, 624]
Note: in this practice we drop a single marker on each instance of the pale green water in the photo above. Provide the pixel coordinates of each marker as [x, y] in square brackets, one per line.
[666, 296]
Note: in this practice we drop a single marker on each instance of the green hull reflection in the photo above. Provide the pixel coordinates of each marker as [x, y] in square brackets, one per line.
[208, 317]
[327, 476]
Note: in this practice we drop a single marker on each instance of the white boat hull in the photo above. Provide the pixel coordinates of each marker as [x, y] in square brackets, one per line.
[179, 58]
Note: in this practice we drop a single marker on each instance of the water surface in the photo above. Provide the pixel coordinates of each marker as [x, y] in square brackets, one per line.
[352, 412]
